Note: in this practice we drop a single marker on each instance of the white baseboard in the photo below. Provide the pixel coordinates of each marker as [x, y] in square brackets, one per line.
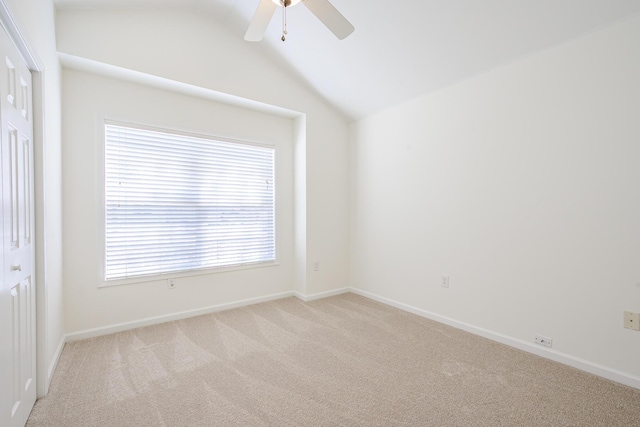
[566, 359]
[54, 362]
[119, 327]
[320, 295]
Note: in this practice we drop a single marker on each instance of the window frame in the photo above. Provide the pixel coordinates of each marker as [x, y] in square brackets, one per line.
[101, 241]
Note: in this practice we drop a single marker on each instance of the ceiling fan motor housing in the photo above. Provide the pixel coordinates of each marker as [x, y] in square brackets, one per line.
[322, 9]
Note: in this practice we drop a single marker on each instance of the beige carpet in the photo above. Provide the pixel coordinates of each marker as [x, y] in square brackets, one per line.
[340, 361]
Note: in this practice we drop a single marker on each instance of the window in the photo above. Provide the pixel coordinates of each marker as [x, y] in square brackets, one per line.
[176, 202]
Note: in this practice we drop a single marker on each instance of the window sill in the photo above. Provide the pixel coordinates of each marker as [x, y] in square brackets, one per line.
[182, 274]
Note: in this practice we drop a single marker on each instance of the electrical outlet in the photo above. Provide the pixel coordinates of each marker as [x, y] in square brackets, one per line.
[171, 283]
[445, 282]
[632, 320]
[547, 342]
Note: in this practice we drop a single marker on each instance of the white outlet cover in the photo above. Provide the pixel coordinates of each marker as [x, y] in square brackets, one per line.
[547, 342]
[445, 281]
[632, 320]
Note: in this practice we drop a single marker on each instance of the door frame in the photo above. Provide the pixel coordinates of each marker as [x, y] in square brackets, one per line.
[8, 21]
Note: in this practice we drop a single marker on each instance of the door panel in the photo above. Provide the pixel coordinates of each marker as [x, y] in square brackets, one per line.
[17, 292]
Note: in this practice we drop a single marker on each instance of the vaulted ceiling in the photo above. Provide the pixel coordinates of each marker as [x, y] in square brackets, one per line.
[403, 49]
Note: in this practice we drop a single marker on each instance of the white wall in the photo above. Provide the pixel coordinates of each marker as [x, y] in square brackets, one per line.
[88, 100]
[196, 49]
[36, 21]
[522, 186]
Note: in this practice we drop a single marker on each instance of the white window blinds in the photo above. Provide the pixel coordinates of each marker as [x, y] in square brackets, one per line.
[176, 202]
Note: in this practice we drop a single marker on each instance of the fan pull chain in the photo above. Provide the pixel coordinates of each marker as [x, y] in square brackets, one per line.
[284, 21]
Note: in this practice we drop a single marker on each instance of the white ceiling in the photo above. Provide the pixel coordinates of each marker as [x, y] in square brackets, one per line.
[403, 49]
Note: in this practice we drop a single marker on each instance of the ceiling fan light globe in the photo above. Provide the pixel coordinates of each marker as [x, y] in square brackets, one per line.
[293, 2]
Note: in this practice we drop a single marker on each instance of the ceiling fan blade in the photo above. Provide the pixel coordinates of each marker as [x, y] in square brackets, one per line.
[260, 21]
[329, 16]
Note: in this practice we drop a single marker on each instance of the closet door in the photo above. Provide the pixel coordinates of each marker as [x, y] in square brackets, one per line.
[17, 291]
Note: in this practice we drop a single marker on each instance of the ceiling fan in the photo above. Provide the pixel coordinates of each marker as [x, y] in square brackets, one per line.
[322, 9]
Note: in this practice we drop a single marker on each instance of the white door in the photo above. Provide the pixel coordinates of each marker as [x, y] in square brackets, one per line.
[17, 290]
